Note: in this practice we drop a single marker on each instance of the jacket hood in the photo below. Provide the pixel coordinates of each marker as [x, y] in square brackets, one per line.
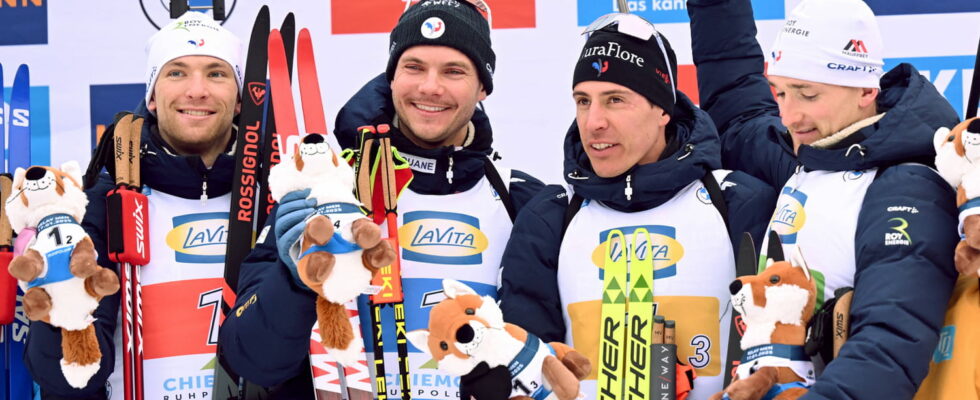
[914, 110]
[439, 171]
[693, 148]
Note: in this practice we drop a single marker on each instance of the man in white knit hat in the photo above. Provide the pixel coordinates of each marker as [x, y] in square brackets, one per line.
[193, 78]
[847, 145]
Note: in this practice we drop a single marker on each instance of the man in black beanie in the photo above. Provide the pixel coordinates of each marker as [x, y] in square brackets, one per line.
[639, 155]
[454, 218]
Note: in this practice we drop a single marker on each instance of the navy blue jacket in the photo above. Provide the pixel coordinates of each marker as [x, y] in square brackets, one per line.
[529, 288]
[900, 292]
[161, 170]
[282, 312]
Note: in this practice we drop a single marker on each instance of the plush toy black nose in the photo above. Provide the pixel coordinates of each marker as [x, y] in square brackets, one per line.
[735, 286]
[35, 173]
[313, 138]
[464, 334]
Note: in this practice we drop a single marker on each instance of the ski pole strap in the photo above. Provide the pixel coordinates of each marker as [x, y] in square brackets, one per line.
[363, 168]
[387, 170]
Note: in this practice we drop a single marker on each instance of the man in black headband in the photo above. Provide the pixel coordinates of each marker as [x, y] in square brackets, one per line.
[639, 155]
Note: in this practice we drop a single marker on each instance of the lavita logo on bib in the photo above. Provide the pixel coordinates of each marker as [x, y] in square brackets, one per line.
[667, 251]
[790, 216]
[199, 238]
[442, 238]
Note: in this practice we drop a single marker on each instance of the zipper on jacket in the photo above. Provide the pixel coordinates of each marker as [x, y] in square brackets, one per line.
[449, 172]
[204, 188]
[629, 189]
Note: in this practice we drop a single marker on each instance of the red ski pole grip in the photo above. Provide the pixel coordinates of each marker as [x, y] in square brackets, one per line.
[128, 227]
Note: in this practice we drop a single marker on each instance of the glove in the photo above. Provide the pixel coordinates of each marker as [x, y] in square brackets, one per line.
[294, 208]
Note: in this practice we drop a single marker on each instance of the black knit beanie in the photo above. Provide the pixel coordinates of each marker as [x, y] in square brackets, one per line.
[610, 56]
[451, 23]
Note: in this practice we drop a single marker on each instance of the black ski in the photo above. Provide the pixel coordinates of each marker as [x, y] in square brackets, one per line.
[242, 213]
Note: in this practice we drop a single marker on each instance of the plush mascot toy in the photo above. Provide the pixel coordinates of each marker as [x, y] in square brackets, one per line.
[958, 162]
[58, 272]
[467, 336]
[775, 306]
[340, 249]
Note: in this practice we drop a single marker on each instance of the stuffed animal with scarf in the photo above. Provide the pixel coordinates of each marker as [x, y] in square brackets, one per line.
[340, 249]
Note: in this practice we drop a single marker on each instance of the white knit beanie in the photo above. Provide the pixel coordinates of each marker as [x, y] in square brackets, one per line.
[835, 42]
[193, 34]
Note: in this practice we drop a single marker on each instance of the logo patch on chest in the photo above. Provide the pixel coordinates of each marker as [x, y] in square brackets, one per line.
[789, 217]
[442, 238]
[199, 238]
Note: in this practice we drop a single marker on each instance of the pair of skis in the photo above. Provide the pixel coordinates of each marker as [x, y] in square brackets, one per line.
[272, 126]
[256, 150]
[626, 320]
[15, 383]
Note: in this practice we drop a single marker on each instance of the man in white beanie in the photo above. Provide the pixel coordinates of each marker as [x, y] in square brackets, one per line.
[848, 146]
[193, 78]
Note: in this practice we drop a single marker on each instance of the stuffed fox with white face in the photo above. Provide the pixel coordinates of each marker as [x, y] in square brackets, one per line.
[467, 336]
[958, 162]
[58, 272]
[776, 306]
[340, 249]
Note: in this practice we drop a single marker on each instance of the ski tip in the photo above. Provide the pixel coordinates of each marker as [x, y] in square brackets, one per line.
[24, 70]
[304, 33]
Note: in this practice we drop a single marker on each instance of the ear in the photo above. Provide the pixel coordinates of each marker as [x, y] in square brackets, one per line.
[868, 97]
[420, 339]
[73, 170]
[19, 178]
[454, 288]
[796, 259]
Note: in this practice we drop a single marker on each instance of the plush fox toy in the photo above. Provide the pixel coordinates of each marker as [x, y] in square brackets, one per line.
[467, 336]
[58, 272]
[958, 162]
[340, 249]
[775, 306]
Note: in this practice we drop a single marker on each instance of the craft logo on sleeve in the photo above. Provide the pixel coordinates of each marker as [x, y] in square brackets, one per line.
[442, 238]
[23, 22]
[199, 238]
[665, 11]
[951, 75]
[107, 100]
[667, 251]
[380, 16]
[898, 7]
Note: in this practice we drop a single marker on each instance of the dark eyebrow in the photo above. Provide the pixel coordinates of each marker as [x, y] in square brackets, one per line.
[793, 85]
[456, 64]
[605, 93]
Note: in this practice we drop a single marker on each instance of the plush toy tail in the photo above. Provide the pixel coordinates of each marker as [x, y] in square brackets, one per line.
[80, 356]
[336, 332]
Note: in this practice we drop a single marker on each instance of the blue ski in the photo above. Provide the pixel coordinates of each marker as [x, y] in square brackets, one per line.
[5, 330]
[20, 385]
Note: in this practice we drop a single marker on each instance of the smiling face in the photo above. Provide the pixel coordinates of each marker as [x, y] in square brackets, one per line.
[812, 111]
[195, 99]
[619, 128]
[435, 90]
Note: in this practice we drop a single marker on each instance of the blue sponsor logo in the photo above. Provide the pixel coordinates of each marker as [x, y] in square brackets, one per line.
[23, 22]
[107, 100]
[664, 248]
[951, 75]
[38, 118]
[442, 238]
[944, 350]
[897, 7]
[666, 11]
[790, 216]
[199, 238]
